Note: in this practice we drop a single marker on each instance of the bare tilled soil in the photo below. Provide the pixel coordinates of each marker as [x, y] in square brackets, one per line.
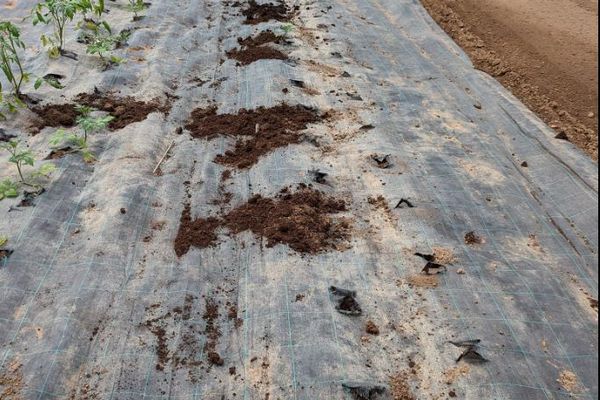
[544, 52]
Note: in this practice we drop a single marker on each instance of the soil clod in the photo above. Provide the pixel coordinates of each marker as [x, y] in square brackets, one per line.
[371, 328]
[471, 238]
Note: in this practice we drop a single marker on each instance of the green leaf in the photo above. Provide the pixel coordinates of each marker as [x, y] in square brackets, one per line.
[3, 239]
[38, 83]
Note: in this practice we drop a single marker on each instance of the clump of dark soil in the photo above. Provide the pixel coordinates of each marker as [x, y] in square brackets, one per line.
[300, 219]
[262, 38]
[257, 13]
[211, 316]
[126, 110]
[472, 238]
[251, 54]
[54, 115]
[198, 233]
[259, 131]
[371, 328]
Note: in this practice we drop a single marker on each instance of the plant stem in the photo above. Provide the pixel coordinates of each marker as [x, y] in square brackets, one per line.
[20, 173]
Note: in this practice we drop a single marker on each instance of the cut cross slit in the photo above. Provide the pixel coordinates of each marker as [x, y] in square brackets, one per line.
[471, 352]
[404, 203]
[345, 301]
[383, 162]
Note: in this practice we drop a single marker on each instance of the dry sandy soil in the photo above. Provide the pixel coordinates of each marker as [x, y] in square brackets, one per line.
[545, 52]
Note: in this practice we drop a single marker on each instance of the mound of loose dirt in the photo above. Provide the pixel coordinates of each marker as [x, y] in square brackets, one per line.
[54, 116]
[126, 110]
[262, 38]
[300, 219]
[257, 13]
[251, 54]
[259, 131]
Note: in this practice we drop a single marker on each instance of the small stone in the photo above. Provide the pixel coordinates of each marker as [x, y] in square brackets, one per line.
[461, 272]
[591, 115]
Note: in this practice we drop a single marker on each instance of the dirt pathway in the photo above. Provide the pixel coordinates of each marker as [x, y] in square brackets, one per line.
[545, 52]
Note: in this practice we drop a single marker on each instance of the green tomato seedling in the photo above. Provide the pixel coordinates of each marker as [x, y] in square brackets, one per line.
[58, 13]
[136, 6]
[88, 124]
[18, 156]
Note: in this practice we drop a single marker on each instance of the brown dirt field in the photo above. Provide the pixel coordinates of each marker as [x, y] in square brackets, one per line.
[545, 52]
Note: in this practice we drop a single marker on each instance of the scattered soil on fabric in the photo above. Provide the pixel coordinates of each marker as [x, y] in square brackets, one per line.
[299, 219]
[126, 110]
[258, 131]
[11, 382]
[212, 332]
[568, 380]
[443, 256]
[256, 13]
[162, 347]
[544, 52]
[471, 238]
[455, 373]
[251, 54]
[400, 387]
[424, 281]
[54, 116]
